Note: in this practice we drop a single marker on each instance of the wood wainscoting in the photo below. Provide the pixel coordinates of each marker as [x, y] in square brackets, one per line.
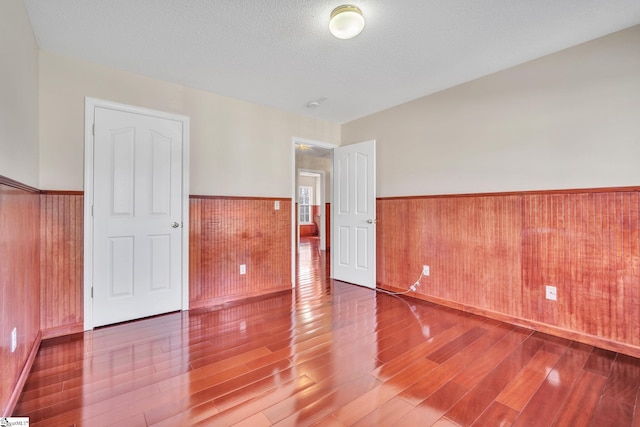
[229, 231]
[493, 254]
[61, 263]
[490, 254]
[307, 230]
[19, 286]
[225, 232]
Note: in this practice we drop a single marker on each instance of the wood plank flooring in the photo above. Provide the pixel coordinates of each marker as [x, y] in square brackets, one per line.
[327, 354]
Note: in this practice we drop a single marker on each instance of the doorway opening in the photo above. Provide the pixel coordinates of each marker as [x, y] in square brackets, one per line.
[351, 196]
[311, 208]
[312, 213]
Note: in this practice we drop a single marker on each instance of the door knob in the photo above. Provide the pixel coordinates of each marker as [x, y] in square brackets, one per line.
[371, 221]
[175, 225]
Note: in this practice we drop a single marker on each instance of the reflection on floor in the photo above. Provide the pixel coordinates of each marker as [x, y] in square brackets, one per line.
[312, 270]
[328, 354]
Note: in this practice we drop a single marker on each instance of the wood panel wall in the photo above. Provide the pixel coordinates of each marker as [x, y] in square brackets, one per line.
[489, 254]
[472, 246]
[61, 257]
[308, 230]
[19, 286]
[226, 232]
[587, 246]
[494, 254]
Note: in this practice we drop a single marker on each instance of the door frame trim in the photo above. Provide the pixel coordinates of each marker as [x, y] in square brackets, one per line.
[294, 191]
[90, 104]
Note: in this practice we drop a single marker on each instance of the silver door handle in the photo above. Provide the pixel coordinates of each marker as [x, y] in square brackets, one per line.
[371, 221]
[175, 225]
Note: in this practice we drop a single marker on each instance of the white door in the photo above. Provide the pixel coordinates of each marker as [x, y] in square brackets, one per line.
[354, 214]
[137, 216]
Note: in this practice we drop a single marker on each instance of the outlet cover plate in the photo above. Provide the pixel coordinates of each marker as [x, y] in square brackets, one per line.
[551, 293]
[425, 270]
[243, 269]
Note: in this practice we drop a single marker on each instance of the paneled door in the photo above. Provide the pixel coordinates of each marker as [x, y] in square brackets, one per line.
[354, 214]
[137, 215]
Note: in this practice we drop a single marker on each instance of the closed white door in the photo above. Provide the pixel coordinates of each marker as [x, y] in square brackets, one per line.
[137, 216]
[354, 214]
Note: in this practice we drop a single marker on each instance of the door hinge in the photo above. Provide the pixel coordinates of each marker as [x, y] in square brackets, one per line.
[91, 210]
[93, 129]
[92, 292]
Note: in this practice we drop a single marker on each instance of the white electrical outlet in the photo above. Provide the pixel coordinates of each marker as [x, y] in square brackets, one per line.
[243, 269]
[551, 293]
[14, 339]
[277, 205]
[425, 270]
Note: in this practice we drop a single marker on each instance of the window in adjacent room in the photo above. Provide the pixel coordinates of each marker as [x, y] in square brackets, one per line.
[304, 204]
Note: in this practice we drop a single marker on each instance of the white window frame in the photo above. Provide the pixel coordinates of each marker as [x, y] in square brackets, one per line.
[308, 205]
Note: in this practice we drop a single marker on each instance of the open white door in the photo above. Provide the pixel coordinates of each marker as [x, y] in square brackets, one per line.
[138, 198]
[354, 214]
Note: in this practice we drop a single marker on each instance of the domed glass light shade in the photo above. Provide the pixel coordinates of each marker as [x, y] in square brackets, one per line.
[346, 22]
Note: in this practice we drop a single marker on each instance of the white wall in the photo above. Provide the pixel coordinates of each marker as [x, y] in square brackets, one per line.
[568, 120]
[18, 95]
[237, 148]
[244, 149]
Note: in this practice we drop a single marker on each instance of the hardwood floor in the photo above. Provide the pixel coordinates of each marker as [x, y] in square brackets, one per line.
[327, 354]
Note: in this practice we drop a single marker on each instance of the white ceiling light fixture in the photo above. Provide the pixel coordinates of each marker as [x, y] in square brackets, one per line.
[315, 103]
[346, 22]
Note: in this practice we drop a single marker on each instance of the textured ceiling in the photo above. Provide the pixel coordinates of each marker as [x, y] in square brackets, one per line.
[280, 53]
